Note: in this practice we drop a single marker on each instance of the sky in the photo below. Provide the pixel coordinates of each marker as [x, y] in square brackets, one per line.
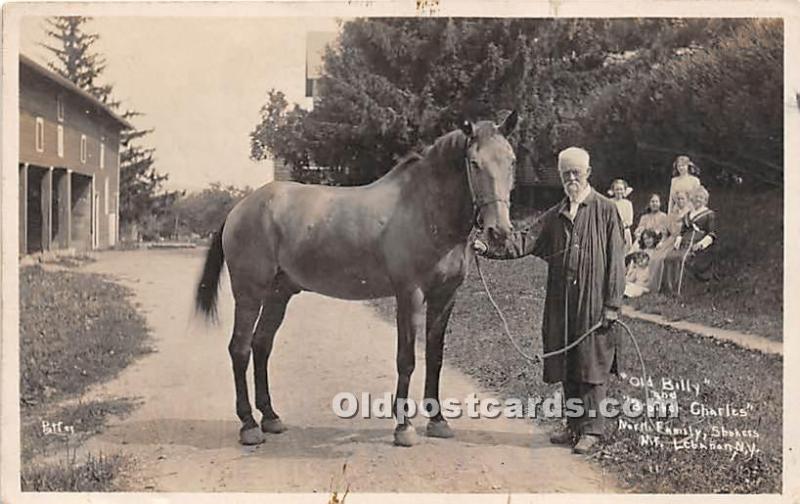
[200, 82]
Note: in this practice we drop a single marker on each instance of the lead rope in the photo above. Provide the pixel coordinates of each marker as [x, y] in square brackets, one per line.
[536, 359]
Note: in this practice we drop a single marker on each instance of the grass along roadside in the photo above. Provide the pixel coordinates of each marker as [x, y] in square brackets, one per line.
[727, 376]
[50, 445]
[98, 473]
[49, 431]
[76, 330]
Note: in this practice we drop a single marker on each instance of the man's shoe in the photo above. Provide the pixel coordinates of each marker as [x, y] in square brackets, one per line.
[586, 444]
[561, 436]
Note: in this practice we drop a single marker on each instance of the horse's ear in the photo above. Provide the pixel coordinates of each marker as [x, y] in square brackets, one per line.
[509, 123]
[468, 129]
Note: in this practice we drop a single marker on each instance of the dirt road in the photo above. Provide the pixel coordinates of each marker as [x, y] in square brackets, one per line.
[184, 435]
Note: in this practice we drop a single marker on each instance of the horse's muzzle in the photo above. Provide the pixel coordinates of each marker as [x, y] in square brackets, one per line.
[499, 234]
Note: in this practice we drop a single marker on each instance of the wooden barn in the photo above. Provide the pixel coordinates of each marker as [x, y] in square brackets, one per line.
[68, 167]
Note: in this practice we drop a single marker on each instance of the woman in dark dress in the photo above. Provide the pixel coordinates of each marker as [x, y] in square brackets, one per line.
[695, 248]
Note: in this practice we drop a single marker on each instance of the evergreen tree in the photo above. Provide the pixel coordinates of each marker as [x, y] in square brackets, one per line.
[76, 60]
[394, 85]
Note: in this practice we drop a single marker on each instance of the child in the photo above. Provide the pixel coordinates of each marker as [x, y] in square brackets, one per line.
[620, 191]
[638, 277]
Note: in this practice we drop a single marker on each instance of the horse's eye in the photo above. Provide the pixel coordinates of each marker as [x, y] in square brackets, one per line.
[474, 164]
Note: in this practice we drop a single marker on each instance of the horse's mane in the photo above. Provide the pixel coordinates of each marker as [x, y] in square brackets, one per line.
[407, 161]
[447, 144]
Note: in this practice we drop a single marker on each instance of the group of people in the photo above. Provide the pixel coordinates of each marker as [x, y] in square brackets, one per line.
[666, 247]
[585, 240]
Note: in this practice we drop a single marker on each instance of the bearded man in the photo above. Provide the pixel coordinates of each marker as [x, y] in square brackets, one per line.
[581, 239]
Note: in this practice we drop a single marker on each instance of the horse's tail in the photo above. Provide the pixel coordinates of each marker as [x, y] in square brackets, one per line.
[206, 298]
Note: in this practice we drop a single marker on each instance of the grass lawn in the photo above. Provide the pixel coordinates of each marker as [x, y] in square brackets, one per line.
[76, 330]
[726, 375]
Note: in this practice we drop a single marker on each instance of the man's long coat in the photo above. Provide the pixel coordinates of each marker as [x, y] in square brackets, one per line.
[586, 274]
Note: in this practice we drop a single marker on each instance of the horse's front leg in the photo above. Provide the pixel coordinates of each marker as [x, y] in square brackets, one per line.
[440, 306]
[410, 322]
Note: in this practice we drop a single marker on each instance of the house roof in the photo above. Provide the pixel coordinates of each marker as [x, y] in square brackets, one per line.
[69, 85]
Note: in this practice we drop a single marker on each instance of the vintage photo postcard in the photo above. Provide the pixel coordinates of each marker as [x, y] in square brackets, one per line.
[336, 252]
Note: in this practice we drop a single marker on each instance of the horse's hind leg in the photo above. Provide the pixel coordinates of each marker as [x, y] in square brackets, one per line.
[272, 313]
[246, 314]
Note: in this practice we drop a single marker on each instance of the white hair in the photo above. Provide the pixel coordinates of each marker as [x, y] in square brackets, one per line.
[573, 157]
[700, 190]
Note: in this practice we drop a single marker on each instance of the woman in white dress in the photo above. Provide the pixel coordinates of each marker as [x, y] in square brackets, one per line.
[684, 178]
[619, 192]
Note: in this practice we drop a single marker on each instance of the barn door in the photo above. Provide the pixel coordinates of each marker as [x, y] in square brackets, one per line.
[95, 216]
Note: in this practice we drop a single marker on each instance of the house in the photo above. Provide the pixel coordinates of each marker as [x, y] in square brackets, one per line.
[316, 44]
[69, 162]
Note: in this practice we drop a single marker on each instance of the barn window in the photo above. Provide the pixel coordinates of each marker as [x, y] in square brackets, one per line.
[60, 141]
[83, 148]
[39, 137]
[60, 108]
[102, 152]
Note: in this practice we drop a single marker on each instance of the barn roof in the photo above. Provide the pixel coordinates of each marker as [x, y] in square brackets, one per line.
[70, 86]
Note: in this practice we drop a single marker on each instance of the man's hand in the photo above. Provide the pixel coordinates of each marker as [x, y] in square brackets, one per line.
[610, 316]
[479, 247]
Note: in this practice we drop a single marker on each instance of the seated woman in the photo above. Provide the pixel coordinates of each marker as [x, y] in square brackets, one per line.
[638, 276]
[653, 219]
[694, 249]
[680, 206]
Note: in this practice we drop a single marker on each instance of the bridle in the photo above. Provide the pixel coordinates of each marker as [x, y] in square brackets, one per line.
[478, 201]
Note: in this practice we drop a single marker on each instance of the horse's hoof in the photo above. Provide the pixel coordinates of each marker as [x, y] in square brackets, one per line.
[405, 436]
[272, 425]
[251, 436]
[439, 429]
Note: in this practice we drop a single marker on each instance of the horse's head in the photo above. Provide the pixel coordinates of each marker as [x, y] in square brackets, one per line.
[490, 164]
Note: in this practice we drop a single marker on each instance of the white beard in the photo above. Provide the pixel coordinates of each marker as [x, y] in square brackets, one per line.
[572, 190]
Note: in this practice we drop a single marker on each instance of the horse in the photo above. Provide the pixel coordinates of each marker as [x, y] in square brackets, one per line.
[405, 235]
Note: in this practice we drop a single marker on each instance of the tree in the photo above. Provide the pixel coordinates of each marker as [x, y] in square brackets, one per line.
[279, 135]
[720, 102]
[394, 85]
[76, 60]
[204, 212]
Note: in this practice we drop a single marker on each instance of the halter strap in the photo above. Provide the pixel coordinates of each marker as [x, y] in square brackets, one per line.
[477, 201]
